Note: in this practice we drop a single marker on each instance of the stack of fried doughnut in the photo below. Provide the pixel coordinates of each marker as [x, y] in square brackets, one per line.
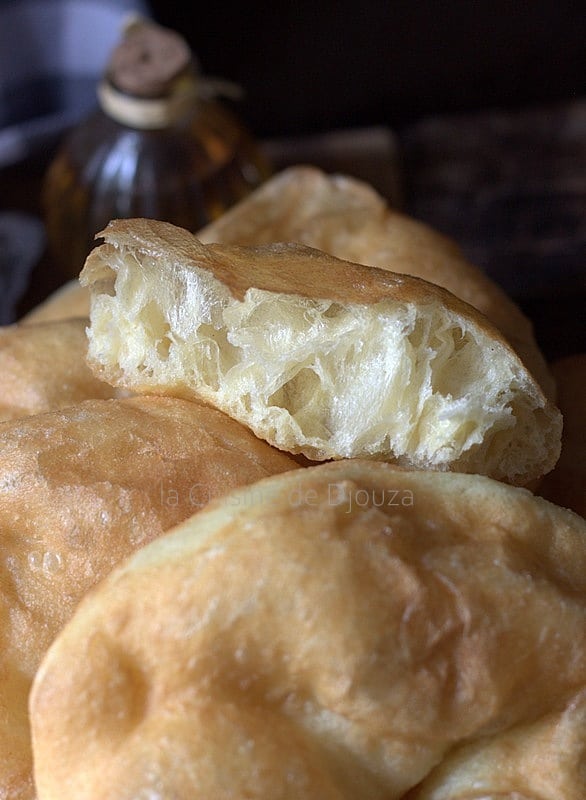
[271, 524]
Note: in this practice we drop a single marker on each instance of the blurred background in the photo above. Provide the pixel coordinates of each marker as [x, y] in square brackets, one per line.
[469, 116]
[312, 66]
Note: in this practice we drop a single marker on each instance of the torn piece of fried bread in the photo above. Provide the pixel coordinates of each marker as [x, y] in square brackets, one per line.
[316, 355]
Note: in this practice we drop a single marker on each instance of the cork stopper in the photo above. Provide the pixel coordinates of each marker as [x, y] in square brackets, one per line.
[152, 78]
[148, 60]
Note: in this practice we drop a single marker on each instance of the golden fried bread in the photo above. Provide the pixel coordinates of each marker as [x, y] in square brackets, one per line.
[347, 218]
[342, 631]
[566, 484]
[316, 355]
[79, 490]
[70, 300]
[43, 367]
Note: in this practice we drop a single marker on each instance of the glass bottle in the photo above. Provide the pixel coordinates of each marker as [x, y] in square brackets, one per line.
[160, 145]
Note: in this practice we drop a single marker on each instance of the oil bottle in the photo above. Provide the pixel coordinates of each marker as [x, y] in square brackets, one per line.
[161, 144]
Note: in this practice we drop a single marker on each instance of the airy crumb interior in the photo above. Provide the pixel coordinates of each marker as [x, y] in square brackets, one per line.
[392, 380]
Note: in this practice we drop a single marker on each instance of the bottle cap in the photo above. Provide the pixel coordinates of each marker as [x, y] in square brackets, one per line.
[148, 59]
[151, 78]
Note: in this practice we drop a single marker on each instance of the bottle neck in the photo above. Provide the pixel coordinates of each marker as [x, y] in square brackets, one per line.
[148, 113]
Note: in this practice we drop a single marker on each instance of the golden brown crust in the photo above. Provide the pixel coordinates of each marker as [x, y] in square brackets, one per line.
[79, 490]
[347, 218]
[337, 632]
[278, 267]
[43, 367]
[566, 484]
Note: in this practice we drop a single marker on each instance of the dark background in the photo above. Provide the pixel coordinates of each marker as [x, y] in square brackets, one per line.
[314, 65]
